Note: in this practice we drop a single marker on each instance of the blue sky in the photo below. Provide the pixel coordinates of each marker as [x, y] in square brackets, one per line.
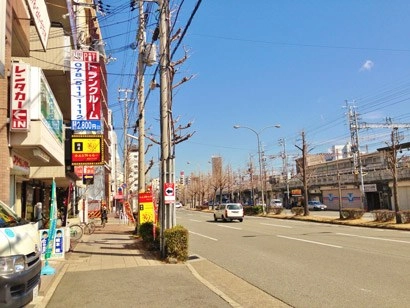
[257, 64]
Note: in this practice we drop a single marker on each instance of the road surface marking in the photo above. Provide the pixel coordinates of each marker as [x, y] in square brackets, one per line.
[211, 238]
[307, 241]
[195, 220]
[289, 227]
[223, 226]
[374, 238]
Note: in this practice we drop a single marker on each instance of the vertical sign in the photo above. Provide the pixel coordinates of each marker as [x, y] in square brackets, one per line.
[20, 97]
[146, 208]
[85, 91]
[39, 13]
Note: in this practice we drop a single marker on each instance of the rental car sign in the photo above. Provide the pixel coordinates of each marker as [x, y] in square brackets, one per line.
[20, 97]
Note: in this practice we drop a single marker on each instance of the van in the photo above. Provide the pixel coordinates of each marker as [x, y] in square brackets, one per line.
[20, 259]
[229, 212]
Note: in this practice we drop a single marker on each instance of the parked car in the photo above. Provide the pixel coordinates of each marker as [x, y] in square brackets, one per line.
[316, 206]
[276, 203]
[229, 212]
[178, 205]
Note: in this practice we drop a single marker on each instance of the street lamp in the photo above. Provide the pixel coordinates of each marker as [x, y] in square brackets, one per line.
[261, 181]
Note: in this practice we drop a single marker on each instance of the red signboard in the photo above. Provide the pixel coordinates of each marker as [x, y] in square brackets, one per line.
[92, 85]
[20, 97]
[145, 197]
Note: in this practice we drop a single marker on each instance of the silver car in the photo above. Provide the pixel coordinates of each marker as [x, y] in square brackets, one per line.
[229, 212]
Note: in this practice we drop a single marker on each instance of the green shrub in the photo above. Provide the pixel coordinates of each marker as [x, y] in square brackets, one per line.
[176, 240]
[297, 210]
[352, 213]
[252, 210]
[405, 216]
[383, 215]
[145, 230]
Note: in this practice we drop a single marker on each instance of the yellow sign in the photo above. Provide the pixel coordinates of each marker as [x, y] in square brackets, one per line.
[87, 149]
[146, 208]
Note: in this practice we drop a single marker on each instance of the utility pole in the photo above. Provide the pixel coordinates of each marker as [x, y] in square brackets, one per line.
[141, 99]
[393, 161]
[339, 185]
[284, 156]
[165, 110]
[354, 126]
[305, 186]
[304, 173]
[125, 153]
[354, 135]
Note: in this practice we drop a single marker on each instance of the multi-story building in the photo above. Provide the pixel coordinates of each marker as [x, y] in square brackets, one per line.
[329, 180]
[37, 38]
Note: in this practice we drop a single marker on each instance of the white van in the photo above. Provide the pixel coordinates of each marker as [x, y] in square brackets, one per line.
[20, 259]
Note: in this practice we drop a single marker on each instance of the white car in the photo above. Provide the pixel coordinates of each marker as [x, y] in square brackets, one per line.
[229, 212]
[276, 203]
[178, 205]
[316, 206]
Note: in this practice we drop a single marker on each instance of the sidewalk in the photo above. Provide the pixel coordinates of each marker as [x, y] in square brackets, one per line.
[111, 268]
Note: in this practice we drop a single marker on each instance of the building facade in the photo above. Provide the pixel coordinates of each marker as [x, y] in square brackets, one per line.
[36, 99]
[331, 180]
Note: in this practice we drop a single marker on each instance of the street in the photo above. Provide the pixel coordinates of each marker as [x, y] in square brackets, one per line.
[307, 264]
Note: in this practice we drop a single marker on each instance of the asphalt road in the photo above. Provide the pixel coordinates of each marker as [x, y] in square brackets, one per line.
[307, 264]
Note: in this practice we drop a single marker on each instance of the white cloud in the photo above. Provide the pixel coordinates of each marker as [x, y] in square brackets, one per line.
[367, 66]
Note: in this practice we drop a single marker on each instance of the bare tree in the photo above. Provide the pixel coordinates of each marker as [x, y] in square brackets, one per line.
[305, 173]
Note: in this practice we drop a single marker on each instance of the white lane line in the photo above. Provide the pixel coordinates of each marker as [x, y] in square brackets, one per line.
[280, 226]
[229, 227]
[211, 238]
[374, 238]
[307, 241]
[195, 220]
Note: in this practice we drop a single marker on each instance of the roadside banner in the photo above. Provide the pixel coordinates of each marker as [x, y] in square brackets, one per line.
[128, 211]
[47, 269]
